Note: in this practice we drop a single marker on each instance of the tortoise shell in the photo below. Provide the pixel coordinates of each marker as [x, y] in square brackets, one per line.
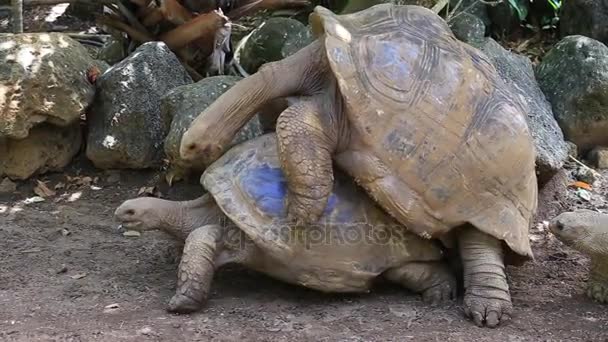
[434, 114]
[249, 186]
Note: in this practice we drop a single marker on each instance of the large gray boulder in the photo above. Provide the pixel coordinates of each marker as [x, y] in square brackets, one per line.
[574, 77]
[586, 18]
[42, 79]
[183, 104]
[126, 127]
[518, 73]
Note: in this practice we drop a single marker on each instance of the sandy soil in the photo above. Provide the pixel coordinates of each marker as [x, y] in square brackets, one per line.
[68, 275]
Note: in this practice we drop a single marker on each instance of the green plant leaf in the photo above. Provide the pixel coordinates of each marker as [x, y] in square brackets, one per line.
[520, 6]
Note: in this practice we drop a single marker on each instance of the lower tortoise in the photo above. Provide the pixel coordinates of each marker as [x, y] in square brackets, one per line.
[419, 119]
[242, 220]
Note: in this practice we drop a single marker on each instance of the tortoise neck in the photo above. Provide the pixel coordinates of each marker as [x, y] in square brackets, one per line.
[189, 215]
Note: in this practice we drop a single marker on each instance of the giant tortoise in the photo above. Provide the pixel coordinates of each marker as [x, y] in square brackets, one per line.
[420, 120]
[242, 220]
[587, 232]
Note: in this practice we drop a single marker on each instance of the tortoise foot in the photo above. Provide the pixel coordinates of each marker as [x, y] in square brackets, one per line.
[183, 304]
[442, 292]
[487, 310]
[598, 291]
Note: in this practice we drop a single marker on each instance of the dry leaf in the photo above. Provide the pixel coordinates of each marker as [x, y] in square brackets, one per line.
[78, 275]
[93, 73]
[131, 233]
[59, 185]
[583, 185]
[42, 190]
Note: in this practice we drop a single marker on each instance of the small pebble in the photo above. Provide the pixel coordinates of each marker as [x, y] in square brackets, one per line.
[584, 174]
[63, 269]
[145, 331]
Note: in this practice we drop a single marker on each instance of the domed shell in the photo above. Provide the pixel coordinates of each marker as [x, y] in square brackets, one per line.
[248, 184]
[434, 111]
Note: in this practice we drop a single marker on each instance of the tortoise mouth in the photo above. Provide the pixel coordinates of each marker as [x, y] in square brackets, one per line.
[130, 225]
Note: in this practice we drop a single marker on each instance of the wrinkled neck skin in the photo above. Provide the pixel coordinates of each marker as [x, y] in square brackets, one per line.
[185, 216]
[305, 73]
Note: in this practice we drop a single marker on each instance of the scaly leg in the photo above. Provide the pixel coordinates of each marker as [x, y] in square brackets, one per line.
[597, 287]
[487, 296]
[305, 149]
[196, 269]
[433, 280]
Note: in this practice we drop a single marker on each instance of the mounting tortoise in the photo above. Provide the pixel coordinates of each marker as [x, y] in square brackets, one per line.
[587, 231]
[242, 220]
[420, 120]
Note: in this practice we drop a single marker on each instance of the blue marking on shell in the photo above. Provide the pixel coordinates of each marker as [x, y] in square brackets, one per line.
[267, 186]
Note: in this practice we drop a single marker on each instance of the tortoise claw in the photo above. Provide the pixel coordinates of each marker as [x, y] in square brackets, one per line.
[183, 304]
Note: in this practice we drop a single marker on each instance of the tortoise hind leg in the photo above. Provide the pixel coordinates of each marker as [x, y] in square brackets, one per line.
[196, 269]
[306, 142]
[487, 298]
[433, 280]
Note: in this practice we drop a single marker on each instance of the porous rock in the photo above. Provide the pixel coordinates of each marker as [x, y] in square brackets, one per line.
[183, 104]
[599, 157]
[273, 40]
[126, 127]
[517, 72]
[586, 18]
[574, 77]
[46, 148]
[474, 7]
[42, 79]
[468, 28]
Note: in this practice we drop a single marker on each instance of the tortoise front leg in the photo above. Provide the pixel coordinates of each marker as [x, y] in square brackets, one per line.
[597, 287]
[196, 269]
[305, 147]
[433, 280]
[487, 298]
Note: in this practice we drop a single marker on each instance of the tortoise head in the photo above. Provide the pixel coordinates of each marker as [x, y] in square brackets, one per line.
[584, 230]
[214, 129]
[141, 214]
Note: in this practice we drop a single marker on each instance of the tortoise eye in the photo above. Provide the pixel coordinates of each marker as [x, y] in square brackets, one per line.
[559, 225]
[130, 212]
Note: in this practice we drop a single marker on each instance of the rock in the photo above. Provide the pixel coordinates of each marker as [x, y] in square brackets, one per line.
[113, 51]
[518, 73]
[47, 148]
[468, 28]
[586, 18]
[475, 7]
[599, 157]
[183, 104]
[584, 174]
[275, 39]
[506, 18]
[126, 127]
[42, 77]
[572, 149]
[7, 186]
[84, 10]
[574, 77]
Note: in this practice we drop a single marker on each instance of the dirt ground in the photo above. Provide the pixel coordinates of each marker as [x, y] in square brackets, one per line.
[67, 274]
